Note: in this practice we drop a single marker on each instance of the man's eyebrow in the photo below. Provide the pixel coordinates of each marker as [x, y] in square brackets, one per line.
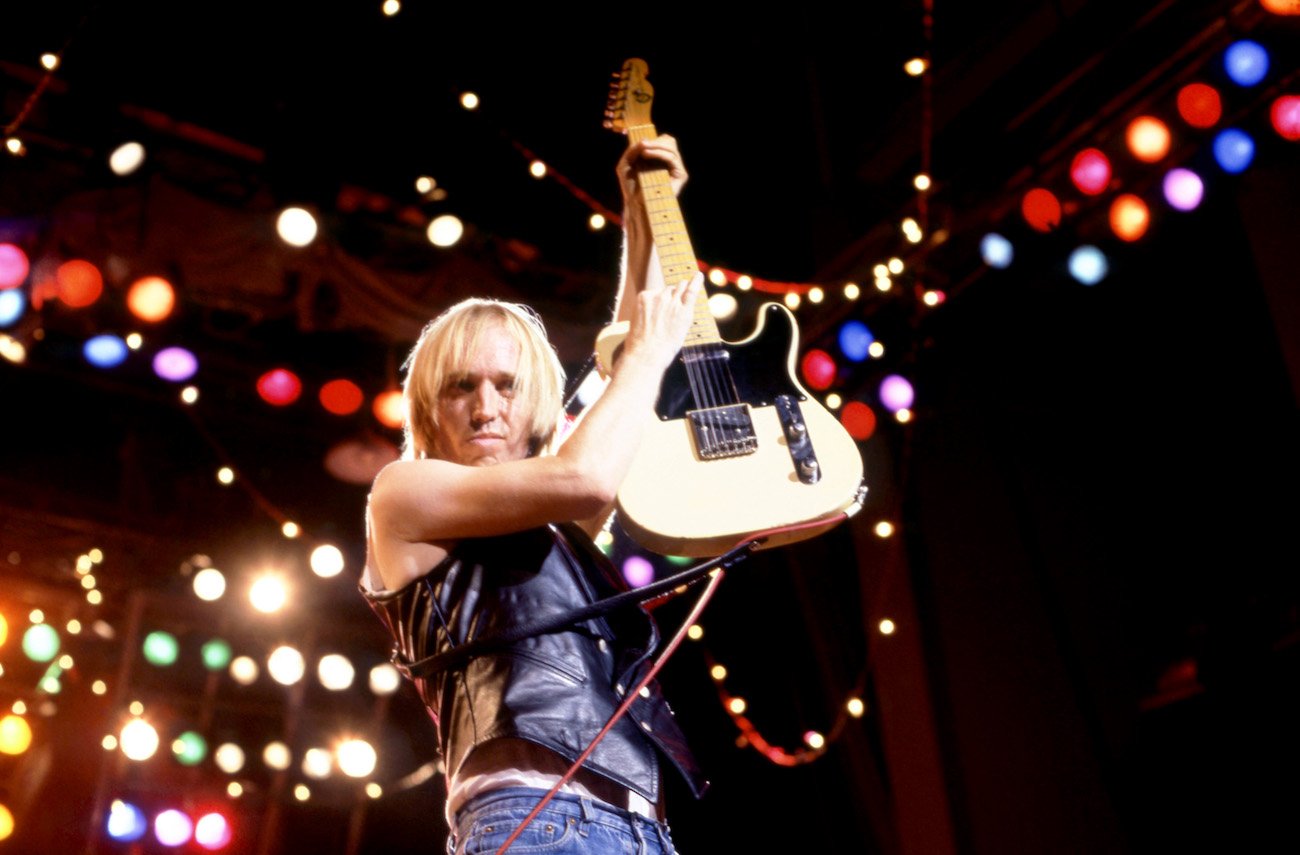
[458, 376]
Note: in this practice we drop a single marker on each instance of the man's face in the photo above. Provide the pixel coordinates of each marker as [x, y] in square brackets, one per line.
[480, 421]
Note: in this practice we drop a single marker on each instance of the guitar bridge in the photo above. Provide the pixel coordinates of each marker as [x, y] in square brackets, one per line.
[723, 431]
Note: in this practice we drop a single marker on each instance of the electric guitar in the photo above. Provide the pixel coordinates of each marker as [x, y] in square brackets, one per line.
[739, 447]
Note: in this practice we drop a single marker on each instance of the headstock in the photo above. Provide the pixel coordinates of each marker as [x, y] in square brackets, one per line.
[630, 96]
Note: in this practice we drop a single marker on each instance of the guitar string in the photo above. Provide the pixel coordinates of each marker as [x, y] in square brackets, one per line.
[708, 381]
[707, 361]
[691, 355]
[704, 358]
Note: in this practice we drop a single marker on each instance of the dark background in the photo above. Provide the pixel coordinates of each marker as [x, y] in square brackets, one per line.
[1094, 567]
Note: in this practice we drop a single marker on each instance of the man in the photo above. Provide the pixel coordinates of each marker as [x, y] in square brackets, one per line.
[481, 529]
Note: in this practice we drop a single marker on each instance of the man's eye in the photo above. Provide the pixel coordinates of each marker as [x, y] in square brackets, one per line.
[506, 390]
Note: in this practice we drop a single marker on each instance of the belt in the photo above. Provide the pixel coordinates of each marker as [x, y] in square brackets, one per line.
[618, 796]
[545, 767]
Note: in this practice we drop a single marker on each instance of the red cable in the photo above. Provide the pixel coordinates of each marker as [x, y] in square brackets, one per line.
[623, 708]
[654, 669]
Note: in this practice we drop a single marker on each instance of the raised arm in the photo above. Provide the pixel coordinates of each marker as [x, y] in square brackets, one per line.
[640, 268]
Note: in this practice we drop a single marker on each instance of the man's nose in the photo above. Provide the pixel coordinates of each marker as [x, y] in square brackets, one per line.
[487, 402]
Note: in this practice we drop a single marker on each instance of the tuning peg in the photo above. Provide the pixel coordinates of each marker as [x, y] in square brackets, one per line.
[608, 124]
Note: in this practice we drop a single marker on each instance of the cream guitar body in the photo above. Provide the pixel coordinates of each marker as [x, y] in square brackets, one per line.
[768, 457]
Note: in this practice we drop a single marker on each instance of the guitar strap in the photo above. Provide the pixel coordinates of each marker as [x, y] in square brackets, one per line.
[461, 654]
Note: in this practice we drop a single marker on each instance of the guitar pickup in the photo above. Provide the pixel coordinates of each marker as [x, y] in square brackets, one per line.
[806, 467]
[723, 431]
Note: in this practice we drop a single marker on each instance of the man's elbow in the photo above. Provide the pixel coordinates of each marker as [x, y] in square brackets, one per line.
[603, 497]
[595, 491]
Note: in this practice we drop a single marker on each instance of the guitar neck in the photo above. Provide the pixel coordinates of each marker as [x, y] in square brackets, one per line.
[677, 259]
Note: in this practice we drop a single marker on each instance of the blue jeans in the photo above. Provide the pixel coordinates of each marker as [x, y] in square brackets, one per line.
[568, 825]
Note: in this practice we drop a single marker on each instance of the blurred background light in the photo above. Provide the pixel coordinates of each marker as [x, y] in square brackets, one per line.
[229, 757]
[1041, 210]
[126, 158]
[858, 419]
[268, 593]
[855, 340]
[189, 748]
[1200, 105]
[390, 409]
[79, 283]
[276, 756]
[996, 251]
[160, 648]
[105, 351]
[41, 642]
[1148, 139]
[243, 670]
[12, 305]
[138, 740]
[172, 828]
[1129, 217]
[326, 561]
[317, 763]
[1183, 189]
[384, 679]
[296, 226]
[1285, 117]
[286, 665]
[212, 831]
[1234, 149]
[151, 298]
[341, 397]
[1090, 171]
[445, 230]
[126, 822]
[15, 734]
[638, 571]
[896, 393]
[216, 654]
[1246, 62]
[14, 266]
[13, 350]
[356, 758]
[1088, 265]
[723, 306]
[335, 672]
[175, 363]
[818, 369]
[209, 584]
[279, 387]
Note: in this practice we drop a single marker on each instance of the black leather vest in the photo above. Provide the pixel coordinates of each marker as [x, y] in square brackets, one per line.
[557, 689]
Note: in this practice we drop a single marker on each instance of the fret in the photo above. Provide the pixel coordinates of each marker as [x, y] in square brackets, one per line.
[677, 260]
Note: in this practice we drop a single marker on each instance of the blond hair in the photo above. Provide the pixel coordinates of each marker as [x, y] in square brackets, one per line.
[445, 347]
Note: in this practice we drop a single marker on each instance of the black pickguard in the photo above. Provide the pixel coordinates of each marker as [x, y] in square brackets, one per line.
[758, 369]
